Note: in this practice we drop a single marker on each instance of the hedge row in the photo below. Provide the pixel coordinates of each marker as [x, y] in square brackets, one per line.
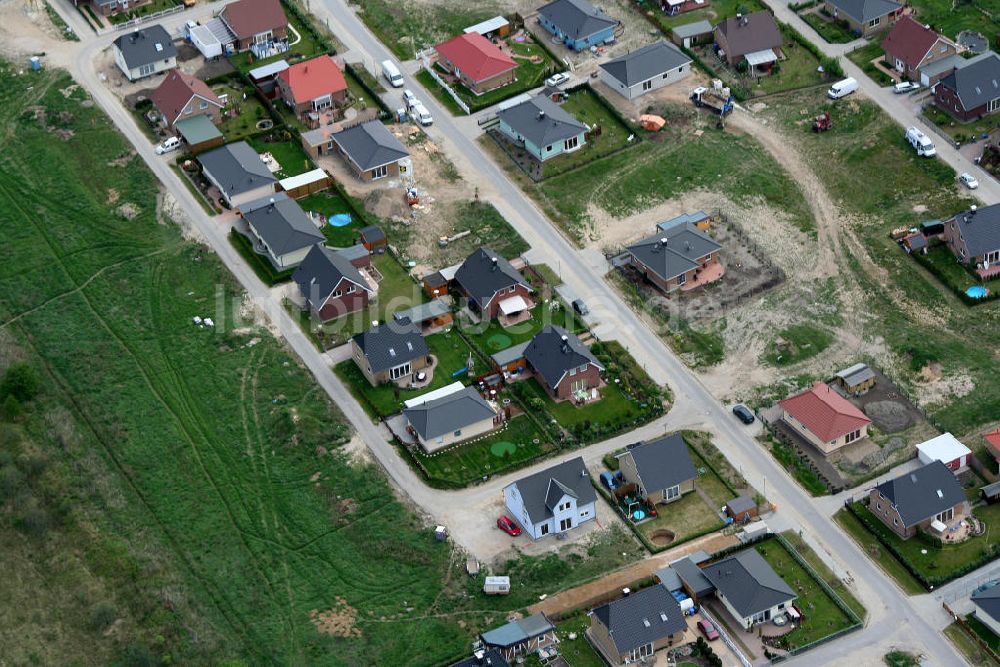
[830, 65]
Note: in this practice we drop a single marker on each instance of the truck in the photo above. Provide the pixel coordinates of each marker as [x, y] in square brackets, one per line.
[920, 142]
[718, 100]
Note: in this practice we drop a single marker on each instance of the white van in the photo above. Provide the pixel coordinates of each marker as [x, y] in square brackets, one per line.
[168, 145]
[422, 115]
[391, 74]
[496, 585]
[842, 88]
[920, 142]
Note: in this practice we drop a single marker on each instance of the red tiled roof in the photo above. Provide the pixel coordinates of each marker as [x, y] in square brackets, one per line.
[176, 91]
[993, 438]
[827, 414]
[314, 78]
[475, 56]
[909, 41]
[247, 18]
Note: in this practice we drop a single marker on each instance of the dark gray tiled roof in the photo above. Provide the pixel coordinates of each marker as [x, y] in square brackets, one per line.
[577, 18]
[391, 344]
[518, 631]
[748, 582]
[146, 46]
[923, 493]
[641, 618]
[662, 463]
[484, 272]
[694, 29]
[372, 233]
[750, 33]
[685, 246]
[370, 145]
[741, 504]
[988, 601]
[237, 168]
[511, 354]
[980, 229]
[552, 357]
[322, 270]
[977, 82]
[534, 489]
[449, 413]
[541, 121]
[669, 578]
[864, 11]
[646, 63]
[283, 225]
[692, 576]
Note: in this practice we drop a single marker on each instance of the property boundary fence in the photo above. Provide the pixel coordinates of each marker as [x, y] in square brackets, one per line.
[428, 66]
[727, 640]
[148, 17]
[972, 634]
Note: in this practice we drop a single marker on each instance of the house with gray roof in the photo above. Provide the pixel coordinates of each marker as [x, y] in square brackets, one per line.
[987, 607]
[865, 17]
[450, 419]
[520, 636]
[752, 38]
[634, 627]
[390, 352]
[144, 52]
[494, 287]
[928, 498]
[554, 500]
[238, 172]
[973, 236]
[646, 69]
[749, 588]
[563, 365]
[973, 90]
[331, 284]
[280, 226]
[693, 580]
[678, 256]
[542, 127]
[370, 150]
[577, 23]
[662, 469]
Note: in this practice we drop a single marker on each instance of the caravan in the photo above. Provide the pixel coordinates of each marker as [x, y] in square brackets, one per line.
[920, 142]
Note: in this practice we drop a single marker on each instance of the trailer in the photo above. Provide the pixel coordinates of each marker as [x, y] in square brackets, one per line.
[496, 585]
[719, 100]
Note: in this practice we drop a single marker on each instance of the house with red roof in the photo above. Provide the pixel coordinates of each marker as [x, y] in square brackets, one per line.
[181, 96]
[992, 439]
[911, 46]
[254, 22]
[312, 85]
[478, 64]
[824, 418]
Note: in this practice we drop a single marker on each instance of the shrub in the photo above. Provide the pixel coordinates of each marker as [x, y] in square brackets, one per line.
[11, 409]
[101, 617]
[20, 381]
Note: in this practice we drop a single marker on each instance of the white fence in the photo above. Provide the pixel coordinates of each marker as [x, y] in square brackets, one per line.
[428, 65]
[149, 17]
[726, 638]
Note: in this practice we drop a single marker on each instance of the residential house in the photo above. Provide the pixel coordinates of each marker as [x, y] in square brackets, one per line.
[678, 256]
[441, 420]
[331, 284]
[253, 22]
[493, 287]
[751, 38]
[390, 352]
[484, 658]
[992, 439]
[973, 91]
[109, 7]
[181, 96]
[692, 34]
[661, 470]
[857, 379]
[646, 69]
[144, 52]
[974, 238]
[864, 17]
[520, 637]
[987, 607]
[563, 365]
[911, 46]
[929, 498]
[543, 128]
[238, 172]
[554, 500]
[477, 63]
[312, 85]
[370, 150]
[693, 580]
[947, 449]
[280, 226]
[577, 23]
[749, 588]
[633, 628]
[824, 418]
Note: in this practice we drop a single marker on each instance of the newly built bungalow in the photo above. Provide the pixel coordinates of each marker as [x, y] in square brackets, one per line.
[824, 418]
[542, 128]
[450, 415]
[239, 173]
[678, 257]
[282, 228]
[662, 469]
[554, 500]
[646, 69]
[749, 588]
[577, 23]
[632, 628]
[928, 499]
[477, 63]
[519, 637]
[973, 236]
[371, 151]
[865, 17]
[331, 284]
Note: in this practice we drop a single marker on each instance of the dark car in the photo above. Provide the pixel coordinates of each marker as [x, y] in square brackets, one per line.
[507, 525]
[708, 629]
[580, 307]
[743, 413]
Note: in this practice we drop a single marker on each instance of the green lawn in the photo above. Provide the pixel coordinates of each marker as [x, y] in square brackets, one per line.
[949, 19]
[306, 48]
[901, 659]
[491, 337]
[142, 10]
[685, 517]
[405, 27]
[260, 264]
[878, 553]
[328, 203]
[449, 103]
[834, 32]
[832, 580]
[798, 466]
[797, 70]
[488, 228]
[585, 105]
[956, 277]
[863, 58]
[578, 652]
[248, 112]
[984, 632]
[289, 154]
[969, 649]
[714, 12]
[615, 407]
[798, 343]
[959, 132]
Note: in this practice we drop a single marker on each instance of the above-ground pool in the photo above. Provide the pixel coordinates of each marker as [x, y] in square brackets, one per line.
[977, 292]
[339, 220]
[638, 515]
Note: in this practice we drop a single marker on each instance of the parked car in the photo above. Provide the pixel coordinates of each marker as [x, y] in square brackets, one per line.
[743, 413]
[968, 180]
[580, 307]
[507, 525]
[708, 629]
[905, 87]
[409, 99]
[168, 145]
[557, 80]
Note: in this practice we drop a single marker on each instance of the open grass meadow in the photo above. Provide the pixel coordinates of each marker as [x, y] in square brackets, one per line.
[406, 27]
[714, 13]
[949, 18]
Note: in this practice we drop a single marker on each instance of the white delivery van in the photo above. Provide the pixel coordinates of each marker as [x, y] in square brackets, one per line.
[496, 585]
[422, 115]
[168, 145]
[391, 74]
[920, 142]
[842, 88]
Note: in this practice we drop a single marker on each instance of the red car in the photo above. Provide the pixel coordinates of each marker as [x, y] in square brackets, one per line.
[508, 526]
[708, 629]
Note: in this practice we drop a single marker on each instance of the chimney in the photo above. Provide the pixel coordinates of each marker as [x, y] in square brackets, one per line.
[270, 206]
[565, 343]
[495, 262]
[626, 591]
[541, 114]
[663, 241]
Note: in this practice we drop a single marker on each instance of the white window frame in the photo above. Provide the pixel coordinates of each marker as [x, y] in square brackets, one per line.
[993, 105]
[571, 144]
[379, 172]
[648, 85]
[682, 279]
[875, 21]
[672, 492]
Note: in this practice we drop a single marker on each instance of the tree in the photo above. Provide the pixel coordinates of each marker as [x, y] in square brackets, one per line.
[20, 381]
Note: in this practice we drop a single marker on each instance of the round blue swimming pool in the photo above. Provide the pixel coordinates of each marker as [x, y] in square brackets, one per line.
[339, 220]
[977, 292]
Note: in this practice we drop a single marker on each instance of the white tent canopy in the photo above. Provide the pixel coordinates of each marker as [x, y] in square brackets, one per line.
[514, 304]
[761, 57]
